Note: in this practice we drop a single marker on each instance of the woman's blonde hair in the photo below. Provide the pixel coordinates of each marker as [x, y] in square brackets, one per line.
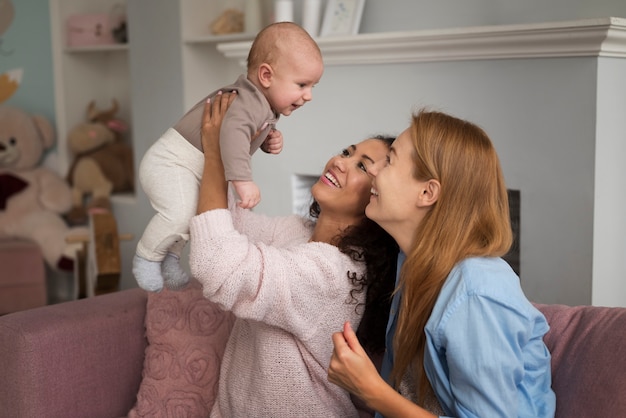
[470, 218]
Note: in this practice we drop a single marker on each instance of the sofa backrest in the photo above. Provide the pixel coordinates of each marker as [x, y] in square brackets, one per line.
[588, 347]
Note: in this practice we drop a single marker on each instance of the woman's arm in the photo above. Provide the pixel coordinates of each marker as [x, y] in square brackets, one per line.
[351, 369]
[213, 186]
[285, 287]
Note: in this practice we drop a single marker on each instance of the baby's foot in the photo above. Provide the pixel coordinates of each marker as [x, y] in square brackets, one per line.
[173, 274]
[148, 274]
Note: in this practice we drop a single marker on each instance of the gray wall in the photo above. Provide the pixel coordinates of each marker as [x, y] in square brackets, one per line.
[399, 15]
[542, 125]
[541, 115]
[25, 45]
[157, 91]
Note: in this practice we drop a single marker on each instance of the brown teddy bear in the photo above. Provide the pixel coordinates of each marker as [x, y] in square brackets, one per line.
[103, 163]
[32, 197]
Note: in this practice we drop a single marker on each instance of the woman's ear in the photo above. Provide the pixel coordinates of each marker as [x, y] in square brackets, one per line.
[429, 193]
[265, 73]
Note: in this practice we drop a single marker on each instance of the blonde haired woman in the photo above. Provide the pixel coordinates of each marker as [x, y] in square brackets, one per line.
[464, 341]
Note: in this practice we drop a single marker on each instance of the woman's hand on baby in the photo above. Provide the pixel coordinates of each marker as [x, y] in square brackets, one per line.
[213, 187]
[273, 144]
[215, 110]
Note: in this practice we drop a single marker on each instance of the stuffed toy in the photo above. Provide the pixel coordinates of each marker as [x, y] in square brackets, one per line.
[33, 198]
[103, 163]
[230, 21]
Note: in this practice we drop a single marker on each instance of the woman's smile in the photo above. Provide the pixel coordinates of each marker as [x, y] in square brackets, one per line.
[329, 179]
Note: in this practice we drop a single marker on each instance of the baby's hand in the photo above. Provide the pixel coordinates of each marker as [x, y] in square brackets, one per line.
[249, 194]
[273, 144]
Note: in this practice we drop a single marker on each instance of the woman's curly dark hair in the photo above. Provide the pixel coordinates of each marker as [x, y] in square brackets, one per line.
[368, 242]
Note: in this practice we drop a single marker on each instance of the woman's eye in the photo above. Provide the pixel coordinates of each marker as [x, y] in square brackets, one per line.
[362, 166]
[345, 153]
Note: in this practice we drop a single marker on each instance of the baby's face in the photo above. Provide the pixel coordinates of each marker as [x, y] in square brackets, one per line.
[292, 82]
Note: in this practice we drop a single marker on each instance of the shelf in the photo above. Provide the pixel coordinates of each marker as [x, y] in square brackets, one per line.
[215, 39]
[605, 37]
[84, 73]
[96, 48]
[127, 198]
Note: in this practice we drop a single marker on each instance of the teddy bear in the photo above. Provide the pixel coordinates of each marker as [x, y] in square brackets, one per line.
[103, 163]
[33, 198]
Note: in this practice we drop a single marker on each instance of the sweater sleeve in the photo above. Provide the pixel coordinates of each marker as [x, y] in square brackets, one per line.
[284, 286]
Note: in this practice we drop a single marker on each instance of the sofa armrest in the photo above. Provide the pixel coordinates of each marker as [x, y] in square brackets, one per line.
[76, 359]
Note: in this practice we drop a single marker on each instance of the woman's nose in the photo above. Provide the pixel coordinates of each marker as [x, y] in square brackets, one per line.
[340, 163]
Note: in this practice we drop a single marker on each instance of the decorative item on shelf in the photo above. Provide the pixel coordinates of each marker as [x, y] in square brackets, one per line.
[103, 163]
[253, 16]
[120, 33]
[283, 10]
[230, 21]
[311, 14]
[33, 197]
[119, 27]
[89, 30]
[98, 29]
[342, 17]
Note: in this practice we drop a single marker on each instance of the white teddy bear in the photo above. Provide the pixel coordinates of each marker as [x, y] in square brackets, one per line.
[33, 198]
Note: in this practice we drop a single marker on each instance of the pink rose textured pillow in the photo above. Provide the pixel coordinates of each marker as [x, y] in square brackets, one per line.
[186, 336]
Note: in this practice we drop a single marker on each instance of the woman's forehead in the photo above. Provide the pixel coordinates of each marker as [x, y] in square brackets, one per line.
[374, 148]
[402, 143]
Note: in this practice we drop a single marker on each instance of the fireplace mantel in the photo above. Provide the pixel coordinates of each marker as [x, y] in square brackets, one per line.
[600, 37]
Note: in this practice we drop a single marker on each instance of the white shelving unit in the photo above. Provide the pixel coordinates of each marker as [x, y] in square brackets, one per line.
[216, 39]
[86, 73]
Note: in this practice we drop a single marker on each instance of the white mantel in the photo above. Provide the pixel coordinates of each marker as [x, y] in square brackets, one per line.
[602, 37]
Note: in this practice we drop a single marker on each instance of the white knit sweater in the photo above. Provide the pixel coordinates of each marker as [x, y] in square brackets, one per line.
[289, 295]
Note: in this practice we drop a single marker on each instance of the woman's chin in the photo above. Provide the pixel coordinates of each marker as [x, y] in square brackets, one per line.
[370, 210]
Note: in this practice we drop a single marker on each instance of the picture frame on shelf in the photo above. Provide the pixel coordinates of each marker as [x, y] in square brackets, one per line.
[342, 17]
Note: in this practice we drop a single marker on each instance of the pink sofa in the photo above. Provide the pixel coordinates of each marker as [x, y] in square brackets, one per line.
[84, 358]
[23, 276]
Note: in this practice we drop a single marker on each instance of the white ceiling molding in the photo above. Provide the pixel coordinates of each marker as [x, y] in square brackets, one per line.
[601, 37]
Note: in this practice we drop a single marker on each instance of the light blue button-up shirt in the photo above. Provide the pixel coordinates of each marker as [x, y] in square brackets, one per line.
[484, 353]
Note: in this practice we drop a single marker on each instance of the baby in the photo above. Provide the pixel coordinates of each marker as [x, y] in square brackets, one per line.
[284, 63]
